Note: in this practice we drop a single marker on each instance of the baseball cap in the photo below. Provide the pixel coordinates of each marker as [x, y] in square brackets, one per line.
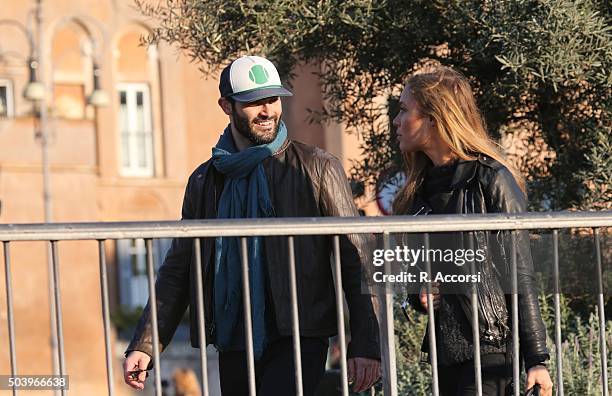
[251, 78]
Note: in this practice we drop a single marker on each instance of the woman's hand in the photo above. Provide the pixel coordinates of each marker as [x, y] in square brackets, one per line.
[135, 369]
[539, 375]
[435, 291]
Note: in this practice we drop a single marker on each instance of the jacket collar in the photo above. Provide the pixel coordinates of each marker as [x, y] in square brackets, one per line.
[282, 148]
[465, 172]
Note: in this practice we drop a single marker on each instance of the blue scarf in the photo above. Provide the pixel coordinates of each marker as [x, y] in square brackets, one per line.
[245, 195]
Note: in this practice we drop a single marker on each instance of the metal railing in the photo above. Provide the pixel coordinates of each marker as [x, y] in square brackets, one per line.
[291, 227]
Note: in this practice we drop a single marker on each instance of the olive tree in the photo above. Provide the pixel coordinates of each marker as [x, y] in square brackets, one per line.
[540, 70]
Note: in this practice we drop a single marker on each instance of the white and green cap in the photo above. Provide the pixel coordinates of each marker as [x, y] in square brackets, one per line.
[251, 78]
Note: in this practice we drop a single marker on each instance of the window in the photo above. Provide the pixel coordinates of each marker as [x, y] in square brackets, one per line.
[6, 98]
[132, 260]
[136, 69]
[136, 131]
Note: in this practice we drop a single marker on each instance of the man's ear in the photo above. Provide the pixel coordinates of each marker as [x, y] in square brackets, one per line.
[225, 105]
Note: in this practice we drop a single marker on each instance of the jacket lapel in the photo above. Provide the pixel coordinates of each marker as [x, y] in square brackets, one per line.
[465, 172]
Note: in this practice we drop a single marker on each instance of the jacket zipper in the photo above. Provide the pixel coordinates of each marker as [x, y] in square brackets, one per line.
[499, 323]
[212, 309]
[405, 302]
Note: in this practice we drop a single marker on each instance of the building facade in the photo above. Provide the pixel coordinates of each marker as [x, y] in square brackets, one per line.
[125, 161]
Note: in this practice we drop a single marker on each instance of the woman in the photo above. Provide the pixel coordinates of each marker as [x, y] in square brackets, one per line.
[453, 166]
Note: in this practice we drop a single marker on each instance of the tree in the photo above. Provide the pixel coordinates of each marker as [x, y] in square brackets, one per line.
[540, 69]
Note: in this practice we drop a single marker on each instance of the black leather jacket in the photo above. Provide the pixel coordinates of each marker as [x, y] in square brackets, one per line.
[303, 181]
[486, 186]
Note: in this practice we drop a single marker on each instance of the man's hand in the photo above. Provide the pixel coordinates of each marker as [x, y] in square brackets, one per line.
[134, 369]
[435, 291]
[539, 375]
[363, 373]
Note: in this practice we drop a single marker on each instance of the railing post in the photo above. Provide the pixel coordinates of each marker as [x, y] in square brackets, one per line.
[433, 351]
[295, 321]
[106, 318]
[516, 375]
[9, 310]
[153, 308]
[340, 315]
[58, 311]
[558, 346]
[603, 350]
[387, 333]
[248, 321]
[475, 322]
[201, 316]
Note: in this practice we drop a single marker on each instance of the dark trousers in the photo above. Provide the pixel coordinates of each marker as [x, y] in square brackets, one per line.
[458, 380]
[275, 372]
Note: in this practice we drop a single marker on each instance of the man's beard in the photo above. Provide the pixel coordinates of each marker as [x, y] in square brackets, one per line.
[243, 126]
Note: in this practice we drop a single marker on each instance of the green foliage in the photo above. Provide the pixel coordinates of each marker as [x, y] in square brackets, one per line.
[578, 279]
[541, 63]
[596, 191]
[413, 376]
[581, 355]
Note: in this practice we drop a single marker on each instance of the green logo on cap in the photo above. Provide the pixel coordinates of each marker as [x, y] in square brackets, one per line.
[258, 74]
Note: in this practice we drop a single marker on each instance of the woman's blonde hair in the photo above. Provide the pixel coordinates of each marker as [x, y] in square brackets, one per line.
[445, 95]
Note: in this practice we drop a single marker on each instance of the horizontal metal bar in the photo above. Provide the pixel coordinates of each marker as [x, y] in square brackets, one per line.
[303, 226]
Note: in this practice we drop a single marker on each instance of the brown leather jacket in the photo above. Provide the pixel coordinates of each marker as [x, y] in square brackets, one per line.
[304, 181]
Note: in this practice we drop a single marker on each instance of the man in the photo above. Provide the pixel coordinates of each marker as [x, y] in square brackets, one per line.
[256, 171]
